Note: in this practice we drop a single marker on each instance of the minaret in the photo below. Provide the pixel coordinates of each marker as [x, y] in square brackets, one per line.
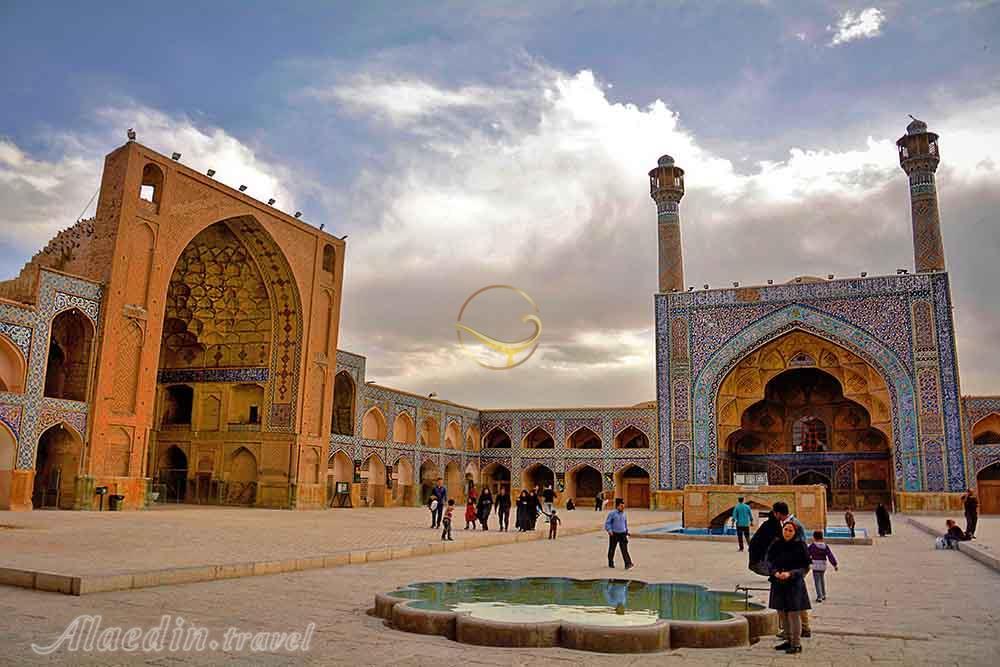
[919, 157]
[666, 187]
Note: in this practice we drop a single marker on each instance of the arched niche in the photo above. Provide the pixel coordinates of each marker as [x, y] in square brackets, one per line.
[583, 438]
[538, 438]
[404, 431]
[497, 438]
[430, 433]
[343, 404]
[373, 425]
[12, 367]
[68, 369]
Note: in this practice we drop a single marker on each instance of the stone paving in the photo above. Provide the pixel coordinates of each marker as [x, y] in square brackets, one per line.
[184, 536]
[897, 602]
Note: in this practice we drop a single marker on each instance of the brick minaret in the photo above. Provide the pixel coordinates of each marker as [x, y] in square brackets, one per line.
[666, 187]
[919, 158]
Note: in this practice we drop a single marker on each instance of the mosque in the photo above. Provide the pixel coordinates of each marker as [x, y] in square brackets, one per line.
[181, 346]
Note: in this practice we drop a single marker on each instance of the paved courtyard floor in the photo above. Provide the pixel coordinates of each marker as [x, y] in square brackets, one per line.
[188, 535]
[896, 602]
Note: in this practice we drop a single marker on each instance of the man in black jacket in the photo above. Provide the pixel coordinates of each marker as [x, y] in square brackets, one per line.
[503, 508]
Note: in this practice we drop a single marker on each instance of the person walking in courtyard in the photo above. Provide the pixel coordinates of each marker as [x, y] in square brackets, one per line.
[440, 494]
[599, 501]
[446, 522]
[883, 520]
[616, 525]
[534, 507]
[549, 496]
[503, 509]
[554, 522]
[788, 562]
[971, 505]
[470, 512]
[820, 553]
[849, 520]
[484, 506]
[743, 517]
[521, 517]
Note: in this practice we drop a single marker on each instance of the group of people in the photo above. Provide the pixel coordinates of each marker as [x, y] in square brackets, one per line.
[478, 508]
[953, 533]
[778, 551]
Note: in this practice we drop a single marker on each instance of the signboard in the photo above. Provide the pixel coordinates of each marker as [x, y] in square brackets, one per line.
[343, 487]
[750, 478]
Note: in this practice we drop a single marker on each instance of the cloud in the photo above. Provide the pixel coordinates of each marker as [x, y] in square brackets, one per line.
[852, 26]
[44, 195]
[403, 100]
[546, 190]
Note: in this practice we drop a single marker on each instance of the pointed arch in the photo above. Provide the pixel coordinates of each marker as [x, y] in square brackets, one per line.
[452, 435]
[583, 483]
[404, 431]
[496, 475]
[57, 463]
[907, 464]
[454, 481]
[631, 437]
[373, 425]
[497, 438]
[632, 485]
[583, 438]
[71, 344]
[430, 433]
[403, 488]
[986, 430]
[343, 404]
[373, 481]
[537, 474]
[538, 438]
[8, 457]
[12, 367]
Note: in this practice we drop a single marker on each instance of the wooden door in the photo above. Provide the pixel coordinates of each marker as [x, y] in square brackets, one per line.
[637, 496]
[989, 496]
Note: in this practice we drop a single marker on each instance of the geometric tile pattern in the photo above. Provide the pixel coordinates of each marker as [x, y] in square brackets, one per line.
[896, 323]
[56, 292]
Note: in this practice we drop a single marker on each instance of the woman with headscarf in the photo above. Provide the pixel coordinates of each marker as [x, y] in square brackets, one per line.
[484, 506]
[534, 507]
[521, 518]
[883, 520]
[788, 562]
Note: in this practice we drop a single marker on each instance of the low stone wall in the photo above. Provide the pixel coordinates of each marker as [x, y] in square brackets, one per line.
[705, 502]
[980, 552]
[929, 503]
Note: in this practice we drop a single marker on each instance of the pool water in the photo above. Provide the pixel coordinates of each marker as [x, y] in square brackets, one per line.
[618, 602]
[832, 532]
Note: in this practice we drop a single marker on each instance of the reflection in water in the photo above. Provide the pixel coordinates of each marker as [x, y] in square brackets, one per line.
[593, 602]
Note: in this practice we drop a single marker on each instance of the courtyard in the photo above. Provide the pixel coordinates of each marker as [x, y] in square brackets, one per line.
[896, 602]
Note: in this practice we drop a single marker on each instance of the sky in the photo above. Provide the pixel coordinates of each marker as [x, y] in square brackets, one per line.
[464, 144]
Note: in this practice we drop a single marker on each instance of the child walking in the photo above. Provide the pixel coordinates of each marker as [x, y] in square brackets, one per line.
[820, 553]
[554, 522]
[446, 522]
[470, 512]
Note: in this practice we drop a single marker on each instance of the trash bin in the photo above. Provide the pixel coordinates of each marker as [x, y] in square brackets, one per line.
[115, 502]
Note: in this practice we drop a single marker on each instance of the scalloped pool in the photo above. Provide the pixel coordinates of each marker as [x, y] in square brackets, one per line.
[603, 602]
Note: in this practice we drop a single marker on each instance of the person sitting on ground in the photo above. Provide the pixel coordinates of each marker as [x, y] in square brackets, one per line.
[953, 535]
[570, 505]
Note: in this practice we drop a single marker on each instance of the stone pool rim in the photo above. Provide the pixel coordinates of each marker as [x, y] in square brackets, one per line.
[739, 628]
[644, 534]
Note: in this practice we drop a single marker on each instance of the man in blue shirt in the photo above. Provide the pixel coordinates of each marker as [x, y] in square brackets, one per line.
[743, 518]
[617, 527]
[439, 493]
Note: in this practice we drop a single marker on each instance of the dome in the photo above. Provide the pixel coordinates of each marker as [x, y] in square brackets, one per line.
[665, 161]
[916, 127]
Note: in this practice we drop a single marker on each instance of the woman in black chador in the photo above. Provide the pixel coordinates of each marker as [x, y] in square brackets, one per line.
[534, 505]
[503, 508]
[883, 520]
[484, 506]
[521, 518]
[788, 562]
